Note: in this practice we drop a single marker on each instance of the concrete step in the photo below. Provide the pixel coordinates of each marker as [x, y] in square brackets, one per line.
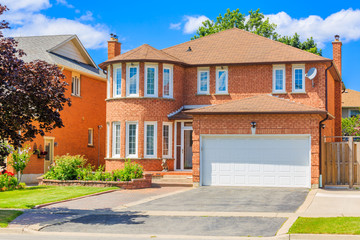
[172, 180]
[177, 177]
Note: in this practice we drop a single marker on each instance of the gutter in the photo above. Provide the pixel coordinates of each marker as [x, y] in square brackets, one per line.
[321, 123]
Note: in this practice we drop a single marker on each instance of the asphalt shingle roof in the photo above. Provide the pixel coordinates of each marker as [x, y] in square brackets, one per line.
[350, 98]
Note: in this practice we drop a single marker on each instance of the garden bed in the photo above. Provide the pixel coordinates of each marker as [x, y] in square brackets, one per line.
[138, 183]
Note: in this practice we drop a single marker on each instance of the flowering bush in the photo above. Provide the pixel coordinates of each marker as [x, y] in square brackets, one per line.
[8, 181]
[5, 150]
[20, 159]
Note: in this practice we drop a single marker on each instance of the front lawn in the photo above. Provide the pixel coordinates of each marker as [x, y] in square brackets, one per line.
[332, 225]
[32, 196]
[7, 216]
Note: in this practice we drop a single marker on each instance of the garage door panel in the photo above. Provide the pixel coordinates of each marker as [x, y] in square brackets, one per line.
[271, 161]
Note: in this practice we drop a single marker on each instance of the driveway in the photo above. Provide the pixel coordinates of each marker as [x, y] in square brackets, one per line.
[204, 211]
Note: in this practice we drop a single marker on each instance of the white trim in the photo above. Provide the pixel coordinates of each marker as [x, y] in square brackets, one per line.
[199, 71]
[108, 82]
[169, 155]
[171, 80]
[91, 130]
[181, 145]
[115, 67]
[76, 84]
[114, 155]
[302, 67]
[107, 140]
[279, 67]
[155, 139]
[147, 66]
[226, 80]
[136, 140]
[128, 66]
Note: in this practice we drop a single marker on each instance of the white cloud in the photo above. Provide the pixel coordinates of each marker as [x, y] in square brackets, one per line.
[193, 23]
[346, 23]
[65, 3]
[176, 26]
[27, 22]
[88, 16]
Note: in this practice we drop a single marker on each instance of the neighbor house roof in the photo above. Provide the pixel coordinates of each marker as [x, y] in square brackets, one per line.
[350, 98]
[63, 50]
[232, 46]
[260, 104]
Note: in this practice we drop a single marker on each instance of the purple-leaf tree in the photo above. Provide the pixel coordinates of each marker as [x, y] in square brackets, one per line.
[32, 94]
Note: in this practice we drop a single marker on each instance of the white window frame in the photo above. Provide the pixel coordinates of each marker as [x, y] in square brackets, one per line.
[199, 71]
[171, 80]
[91, 135]
[76, 90]
[279, 67]
[107, 140]
[169, 155]
[136, 141]
[156, 77]
[223, 68]
[302, 67]
[155, 139]
[128, 66]
[108, 81]
[114, 155]
[115, 67]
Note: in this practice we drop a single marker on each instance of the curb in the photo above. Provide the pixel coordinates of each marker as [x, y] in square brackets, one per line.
[68, 200]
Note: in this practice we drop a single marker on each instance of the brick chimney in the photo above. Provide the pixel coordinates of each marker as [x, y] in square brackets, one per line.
[337, 52]
[114, 47]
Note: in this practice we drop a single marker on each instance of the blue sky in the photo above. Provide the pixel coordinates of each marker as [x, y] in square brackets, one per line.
[162, 23]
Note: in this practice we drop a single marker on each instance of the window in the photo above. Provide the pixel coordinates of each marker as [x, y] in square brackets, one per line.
[90, 137]
[75, 85]
[354, 113]
[166, 140]
[132, 135]
[117, 80]
[279, 79]
[298, 78]
[203, 80]
[151, 80]
[116, 140]
[150, 139]
[108, 82]
[107, 140]
[132, 80]
[167, 81]
[221, 80]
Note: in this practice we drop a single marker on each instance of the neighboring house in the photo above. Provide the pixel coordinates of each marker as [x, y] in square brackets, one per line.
[350, 103]
[233, 107]
[87, 91]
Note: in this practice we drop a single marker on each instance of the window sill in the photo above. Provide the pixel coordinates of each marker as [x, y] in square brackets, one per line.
[123, 98]
[202, 94]
[73, 95]
[92, 145]
[222, 94]
[298, 93]
[137, 158]
[279, 93]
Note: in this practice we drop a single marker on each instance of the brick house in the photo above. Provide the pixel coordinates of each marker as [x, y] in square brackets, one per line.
[350, 103]
[233, 107]
[87, 92]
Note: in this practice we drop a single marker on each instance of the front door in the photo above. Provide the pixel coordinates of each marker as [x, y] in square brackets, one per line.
[49, 149]
[183, 138]
[188, 149]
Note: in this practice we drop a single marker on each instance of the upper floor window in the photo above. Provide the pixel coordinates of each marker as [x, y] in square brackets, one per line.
[116, 139]
[150, 139]
[298, 78]
[203, 80]
[75, 86]
[108, 82]
[167, 81]
[151, 80]
[117, 80]
[132, 79]
[279, 79]
[221, 80]
[132, 139]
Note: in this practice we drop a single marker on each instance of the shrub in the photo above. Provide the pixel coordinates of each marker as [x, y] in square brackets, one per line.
[131, 171]
[20, 159]
[66, 167]
[8, 182]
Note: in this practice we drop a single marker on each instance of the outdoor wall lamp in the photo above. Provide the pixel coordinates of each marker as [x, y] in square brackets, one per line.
[253, 128]
[323, 126]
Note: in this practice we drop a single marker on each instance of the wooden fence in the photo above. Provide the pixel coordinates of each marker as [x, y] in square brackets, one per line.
[340, 162]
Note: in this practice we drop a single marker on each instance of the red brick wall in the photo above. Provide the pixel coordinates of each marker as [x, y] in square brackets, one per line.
[114, 49]
[86, 111]
[265, 124]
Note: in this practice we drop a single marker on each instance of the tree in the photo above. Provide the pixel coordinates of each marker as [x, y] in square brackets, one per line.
[31, 94]
[256, 23]
[351, 126]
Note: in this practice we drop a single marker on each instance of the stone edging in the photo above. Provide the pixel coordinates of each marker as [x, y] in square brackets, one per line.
[144, 182]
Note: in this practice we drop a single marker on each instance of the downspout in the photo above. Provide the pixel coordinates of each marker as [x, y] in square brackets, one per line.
[321, 122]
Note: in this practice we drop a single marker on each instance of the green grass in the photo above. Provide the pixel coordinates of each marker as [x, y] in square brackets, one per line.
[32, 196]
[7, 216]
[332, 225]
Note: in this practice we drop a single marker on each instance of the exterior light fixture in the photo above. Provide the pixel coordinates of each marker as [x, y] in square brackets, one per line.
[323, 126]
[253, 128]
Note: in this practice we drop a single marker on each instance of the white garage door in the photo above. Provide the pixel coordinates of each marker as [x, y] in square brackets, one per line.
[276, 161]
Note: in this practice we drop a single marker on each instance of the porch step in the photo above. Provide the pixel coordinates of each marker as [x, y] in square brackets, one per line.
[177, 177]
[173, 180]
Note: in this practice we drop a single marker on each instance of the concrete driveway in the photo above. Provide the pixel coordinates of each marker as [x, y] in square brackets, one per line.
[204, 211]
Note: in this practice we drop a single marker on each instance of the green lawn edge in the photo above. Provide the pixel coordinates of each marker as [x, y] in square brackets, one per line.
[6, 216]
[331, 225]
[32, 196]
